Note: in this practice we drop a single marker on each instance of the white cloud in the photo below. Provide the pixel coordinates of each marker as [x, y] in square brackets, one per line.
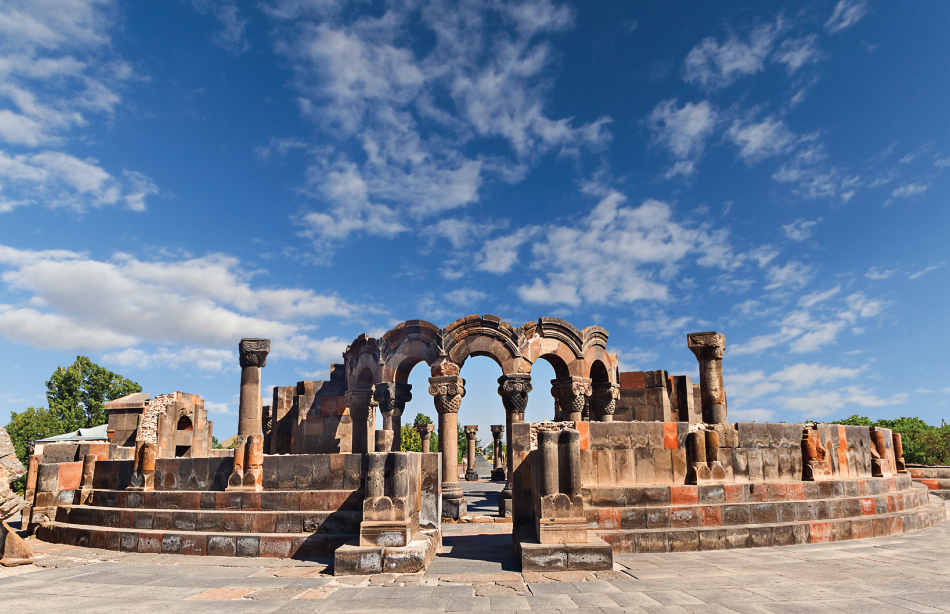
[846, 13]
[231, 35]
[58, 73]
[218, 408]
[620, 255]
[500, 255]
[796, 52]
[818, 322]
[465, 296]
[879, 273]
[712, 65]
[203, 359]
[398, 114]
[822, 403]
[924, 271]
[759, 140]
[942, 162]
[793, 275]
[813, 178]
[910, 189]
[661, 325]
[683, 131]
[800, 230]
[752, 415]
[202, 305]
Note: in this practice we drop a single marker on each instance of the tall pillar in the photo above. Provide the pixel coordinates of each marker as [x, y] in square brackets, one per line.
[448, 391]
[498, 467]
[571, 393]
[471, 475]
[385, 396]
[709, 348]
[425, 434]
[403, 396]
[513, 390]
[603, 401]
[253, 354]
[362, 412]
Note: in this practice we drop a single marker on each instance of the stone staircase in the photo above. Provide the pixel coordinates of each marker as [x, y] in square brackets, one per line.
[292, 523]
[724, 516]
[936, 479]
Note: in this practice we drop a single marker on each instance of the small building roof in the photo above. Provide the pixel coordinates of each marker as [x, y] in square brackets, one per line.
[96, 433]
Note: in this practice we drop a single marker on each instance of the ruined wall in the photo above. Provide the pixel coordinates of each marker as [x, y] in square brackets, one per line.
[191, 441]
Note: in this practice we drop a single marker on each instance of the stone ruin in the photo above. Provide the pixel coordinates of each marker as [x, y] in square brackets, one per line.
[176, 423]
[629, 462]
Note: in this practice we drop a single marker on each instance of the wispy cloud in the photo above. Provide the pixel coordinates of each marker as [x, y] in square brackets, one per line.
[800, 230]
[796, 52]
[922, 272]
[846, 13]
[712, 65]
[879, 273]
[682, 131]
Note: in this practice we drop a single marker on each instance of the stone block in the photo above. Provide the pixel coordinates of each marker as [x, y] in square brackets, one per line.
[595, 555]
[738, 537]
[624, 466]
[543, 557]
[736, 514]
[633, 518]
[714, 539]
[770, 462]
[761, 537]
[680, 467]
[740, 465]
[352, 559]
[644, 466]
[711, 515]
[653, 542]
[685, 517]
[662, 466]
[756, 464]
[658, 517]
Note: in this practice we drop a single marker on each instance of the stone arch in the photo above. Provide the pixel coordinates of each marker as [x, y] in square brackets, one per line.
[404, 347]
[184, 424]
[486, 335]
[361, 356]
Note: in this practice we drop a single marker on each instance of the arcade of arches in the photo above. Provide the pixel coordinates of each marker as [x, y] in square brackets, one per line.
[339, 415]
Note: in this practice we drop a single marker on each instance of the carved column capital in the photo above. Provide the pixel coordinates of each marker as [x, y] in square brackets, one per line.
[359, 402]
[425, 430]
[497, 430]
[571, 393]
[603, 399]
[403, 396]
[514, 390]
[385, 396]
[253, 352]
[448, 392]
[707, 346]
[470, 431]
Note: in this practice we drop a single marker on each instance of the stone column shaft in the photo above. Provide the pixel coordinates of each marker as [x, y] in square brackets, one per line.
[471, 474]
[513, 390]
[253, 355]
[448, 391]
[362, 412]
[425, 434]
[709, 348]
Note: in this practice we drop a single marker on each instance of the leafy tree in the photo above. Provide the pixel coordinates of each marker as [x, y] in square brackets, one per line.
[411, 441]
[77, 397]
[77, 394]
[215, 443]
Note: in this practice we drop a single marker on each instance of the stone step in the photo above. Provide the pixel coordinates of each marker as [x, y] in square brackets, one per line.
[211, 521]
[281, 545]
[772, 534]
[268, 500]
[690, 514]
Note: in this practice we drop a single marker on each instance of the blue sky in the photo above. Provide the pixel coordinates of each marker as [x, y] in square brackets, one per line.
[177, 175]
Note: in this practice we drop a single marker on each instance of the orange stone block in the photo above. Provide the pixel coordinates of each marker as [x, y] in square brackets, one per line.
[892, 484]
[915, 472]
[70, 476]
[842, 438]
[867, 506]
[843, 469]
[583, 428]
[632, 380]
[684, 495]
[931, 484]
[712, 516]
[820, 532]
[670, 440]
[895, 525]
[795, 491]
[735, 493]
[608, 518]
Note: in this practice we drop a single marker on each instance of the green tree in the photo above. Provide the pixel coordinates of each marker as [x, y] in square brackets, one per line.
[76, 397]
[77, 394]
[411, 441]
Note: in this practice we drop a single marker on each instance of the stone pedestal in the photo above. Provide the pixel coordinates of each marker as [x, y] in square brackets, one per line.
[571, 393]
[447, 391]
[816, 466]
[513, 390]
[899, 453]
[392, 399]
[143, 473]
[471, 474]
[248, 473]
[709, 348]
[498, 463]
[253, 356]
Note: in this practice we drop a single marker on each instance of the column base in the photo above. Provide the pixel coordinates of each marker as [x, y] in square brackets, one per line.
[498, 475]
[454, 508]
[506, 508]
[471, 475]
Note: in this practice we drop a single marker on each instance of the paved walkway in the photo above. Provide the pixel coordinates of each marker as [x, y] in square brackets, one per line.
[476, 573]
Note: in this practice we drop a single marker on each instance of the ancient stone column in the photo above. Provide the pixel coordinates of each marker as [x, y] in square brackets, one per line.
[425, 434]
[571, 393]
[708, 348]
[498, 465]
[547, 446]
[603, 401]
[253, 354]
[513, 390]
[403, 396]
[899, 453]
[448, 391]
[362, 411]
[471, 474]
[385, 396]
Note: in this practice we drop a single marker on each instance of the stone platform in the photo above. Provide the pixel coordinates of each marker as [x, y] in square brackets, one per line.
[935, 478]
[896, 574]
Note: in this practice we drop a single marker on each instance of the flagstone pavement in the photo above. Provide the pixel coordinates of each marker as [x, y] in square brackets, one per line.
[477, 572]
